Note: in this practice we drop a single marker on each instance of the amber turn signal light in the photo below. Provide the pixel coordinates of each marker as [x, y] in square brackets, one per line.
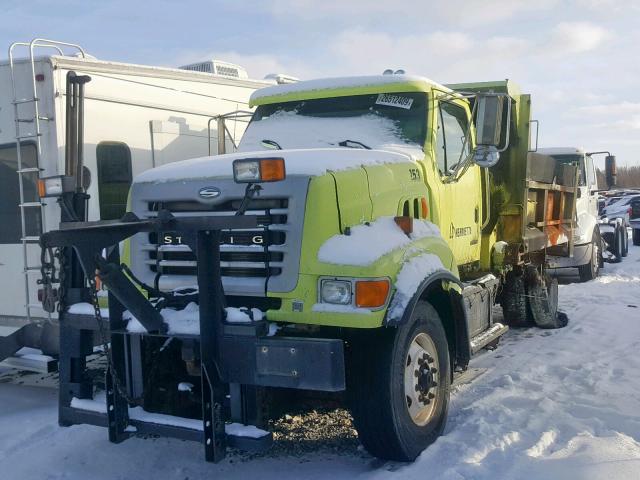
[405, 224]
[371, 293]
[42, 189]
[272, 169]
[425, 208]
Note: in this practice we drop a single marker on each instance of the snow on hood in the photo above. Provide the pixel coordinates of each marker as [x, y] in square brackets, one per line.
[349, 249]
[291, 130]
[297, 162]
[340, 82]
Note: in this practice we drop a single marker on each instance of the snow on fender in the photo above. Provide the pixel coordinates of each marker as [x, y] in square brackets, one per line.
[411, 276]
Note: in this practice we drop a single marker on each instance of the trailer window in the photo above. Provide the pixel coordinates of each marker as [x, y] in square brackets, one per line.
[114, 178]
[11, 230]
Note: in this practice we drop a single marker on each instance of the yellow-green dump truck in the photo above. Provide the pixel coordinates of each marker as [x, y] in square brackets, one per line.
[393, 214]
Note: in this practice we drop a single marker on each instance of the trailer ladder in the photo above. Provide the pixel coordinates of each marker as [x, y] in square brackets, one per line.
[34, 137]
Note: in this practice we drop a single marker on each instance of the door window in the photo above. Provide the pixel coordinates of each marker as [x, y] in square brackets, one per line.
[454, 125]
[114, 178]
[11, 229]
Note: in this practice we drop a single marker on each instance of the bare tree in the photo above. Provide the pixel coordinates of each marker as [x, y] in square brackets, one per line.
[628, 177]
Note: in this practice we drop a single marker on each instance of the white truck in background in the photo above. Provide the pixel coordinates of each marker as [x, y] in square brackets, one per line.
[597, 238]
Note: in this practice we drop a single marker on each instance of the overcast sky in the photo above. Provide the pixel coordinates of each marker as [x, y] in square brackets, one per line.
[579, 59]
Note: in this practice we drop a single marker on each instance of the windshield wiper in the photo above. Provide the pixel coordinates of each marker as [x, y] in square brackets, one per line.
[271, 144]
[353, 144]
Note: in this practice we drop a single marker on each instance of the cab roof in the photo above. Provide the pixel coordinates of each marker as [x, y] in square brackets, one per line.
[562, 151]
[343, 86]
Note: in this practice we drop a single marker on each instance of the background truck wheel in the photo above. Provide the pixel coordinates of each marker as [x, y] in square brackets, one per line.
[514, 300]
[399, 386]
[636, 236]
[618, 245]
[590, 270]
[542, 299]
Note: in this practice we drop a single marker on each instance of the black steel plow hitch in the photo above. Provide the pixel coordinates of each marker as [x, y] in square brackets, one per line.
[90, 239]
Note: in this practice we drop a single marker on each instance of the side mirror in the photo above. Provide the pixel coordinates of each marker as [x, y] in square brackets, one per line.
[490, 109]
[610, 172]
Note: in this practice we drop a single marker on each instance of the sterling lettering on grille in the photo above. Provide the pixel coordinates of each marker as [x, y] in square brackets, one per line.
[225, 239]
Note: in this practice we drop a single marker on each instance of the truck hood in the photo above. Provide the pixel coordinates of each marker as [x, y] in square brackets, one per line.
[308, 162]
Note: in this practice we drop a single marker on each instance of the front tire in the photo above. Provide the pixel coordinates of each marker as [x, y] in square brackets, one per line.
[590, 270]
[399, 380]
[618, 245]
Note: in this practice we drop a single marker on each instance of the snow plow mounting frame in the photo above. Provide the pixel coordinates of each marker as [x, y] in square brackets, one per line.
[238, 356]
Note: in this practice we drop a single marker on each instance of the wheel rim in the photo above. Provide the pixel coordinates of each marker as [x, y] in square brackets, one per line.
[595, 258]
[421, 376]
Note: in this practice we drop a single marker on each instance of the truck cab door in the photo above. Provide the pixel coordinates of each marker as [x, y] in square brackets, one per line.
[460, 200]
[592, 185]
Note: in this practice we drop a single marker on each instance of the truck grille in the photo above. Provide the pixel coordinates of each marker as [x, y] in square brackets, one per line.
[243, 253]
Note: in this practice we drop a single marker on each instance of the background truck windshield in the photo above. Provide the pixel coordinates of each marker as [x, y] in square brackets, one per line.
[375, 121]
[574, 160]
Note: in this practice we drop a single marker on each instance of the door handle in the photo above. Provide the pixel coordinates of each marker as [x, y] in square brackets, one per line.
[476, 214]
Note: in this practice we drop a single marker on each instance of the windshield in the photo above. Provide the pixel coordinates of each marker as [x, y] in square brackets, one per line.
[384, 120]
[573, 160]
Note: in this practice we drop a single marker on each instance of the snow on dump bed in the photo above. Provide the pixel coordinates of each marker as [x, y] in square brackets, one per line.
[187, 320]
[340, 82]
[290, 130]
[297, 162]
[368, 242]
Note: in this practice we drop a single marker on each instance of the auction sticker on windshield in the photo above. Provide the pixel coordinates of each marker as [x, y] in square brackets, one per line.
[394, 100]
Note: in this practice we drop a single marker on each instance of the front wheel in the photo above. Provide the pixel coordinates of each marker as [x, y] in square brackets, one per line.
[618, 245]
[399, 383]
[590, 270]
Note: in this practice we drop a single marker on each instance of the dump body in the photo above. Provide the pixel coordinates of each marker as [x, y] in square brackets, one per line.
[532, 197]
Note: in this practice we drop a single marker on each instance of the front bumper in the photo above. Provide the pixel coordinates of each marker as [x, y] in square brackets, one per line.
[289, 362]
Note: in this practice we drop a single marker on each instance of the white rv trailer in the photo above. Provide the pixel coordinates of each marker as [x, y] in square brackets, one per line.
[136, 117]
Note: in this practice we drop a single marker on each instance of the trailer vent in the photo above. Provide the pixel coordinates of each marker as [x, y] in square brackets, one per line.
[217, 67]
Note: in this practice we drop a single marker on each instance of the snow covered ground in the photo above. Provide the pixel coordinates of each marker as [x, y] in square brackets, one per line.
[552, 405]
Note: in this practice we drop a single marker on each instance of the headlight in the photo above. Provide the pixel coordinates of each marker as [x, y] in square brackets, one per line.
[246, 171]
[258, 170]
[337, 292]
